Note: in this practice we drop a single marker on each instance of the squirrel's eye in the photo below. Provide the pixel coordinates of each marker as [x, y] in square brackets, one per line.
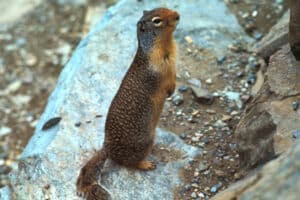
[157, 21]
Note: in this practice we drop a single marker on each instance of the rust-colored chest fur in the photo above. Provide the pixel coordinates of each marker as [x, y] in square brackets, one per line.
[162, 60]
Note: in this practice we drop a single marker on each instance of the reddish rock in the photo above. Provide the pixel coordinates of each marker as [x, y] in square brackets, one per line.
[279, 179]
[265, 129]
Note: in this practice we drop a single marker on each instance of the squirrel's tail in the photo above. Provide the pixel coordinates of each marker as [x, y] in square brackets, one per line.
[87, 181]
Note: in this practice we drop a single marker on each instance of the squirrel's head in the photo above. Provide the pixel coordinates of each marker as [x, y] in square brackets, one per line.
[157, 23]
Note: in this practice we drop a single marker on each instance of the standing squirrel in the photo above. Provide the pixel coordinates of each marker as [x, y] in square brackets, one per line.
[136, 108]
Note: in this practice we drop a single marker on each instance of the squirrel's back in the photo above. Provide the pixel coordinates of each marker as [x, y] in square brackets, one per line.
[128, 120]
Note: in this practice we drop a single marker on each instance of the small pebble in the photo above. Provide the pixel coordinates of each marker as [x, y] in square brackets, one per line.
[209, 81]
[206, 172]
[194, 184]
[177, 99]
[237, 46]
[31, 60]
[237, 176]
[233, 113]
[21, 42]
[216, 187]
[250, 26]
[220, 124]
[51, 123]
[14, 86]
[2, 162]
[194, 195]
[220, 173]
[4, 130]
[254, 13]
[4, 169]
[195, 82]
[210, 111]
[188, 39]
[226, 157]
[226, 118]
[239, 74]
[182, 88]
[254, 66]
[295, 105]
[33, 123]
[179, 113]
[244, 90]
[221, 60]
[78, 124]
[202, 166]
[187, 187]
[182, 135]
[245, 98]
[258, 35]
[251, 59]
[202, 95]
[235, 96]
[251, 79]
[195, 139]
[201, 195]
[234, 65]
[296, 134]
[232, 146]
[195, 181]
[195, 113]
[191, 119]
[205, 140]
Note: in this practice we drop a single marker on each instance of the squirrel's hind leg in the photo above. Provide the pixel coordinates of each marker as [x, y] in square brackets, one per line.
[146, 165]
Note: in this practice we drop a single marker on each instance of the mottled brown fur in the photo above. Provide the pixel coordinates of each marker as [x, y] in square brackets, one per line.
[134, 112]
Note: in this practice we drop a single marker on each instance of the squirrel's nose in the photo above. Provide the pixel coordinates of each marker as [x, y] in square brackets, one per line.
[177, 16]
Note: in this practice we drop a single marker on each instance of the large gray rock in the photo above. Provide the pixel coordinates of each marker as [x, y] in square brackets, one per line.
[267, 126]
[51, 161]
[276, 37]
[279, 179]
[5, 193]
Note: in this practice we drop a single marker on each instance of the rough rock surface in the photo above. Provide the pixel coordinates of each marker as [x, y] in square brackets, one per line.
[279, 179]
[5, 193]
[276, 37]
[50, 163]
[267, 127]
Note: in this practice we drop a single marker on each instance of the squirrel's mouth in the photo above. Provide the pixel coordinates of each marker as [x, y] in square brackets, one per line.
[174, 24]
[176, 19]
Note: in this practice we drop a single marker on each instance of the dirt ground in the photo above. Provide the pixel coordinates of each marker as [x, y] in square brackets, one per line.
[34, 50]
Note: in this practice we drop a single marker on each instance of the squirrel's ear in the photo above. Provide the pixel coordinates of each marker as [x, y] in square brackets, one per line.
[145, 12]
